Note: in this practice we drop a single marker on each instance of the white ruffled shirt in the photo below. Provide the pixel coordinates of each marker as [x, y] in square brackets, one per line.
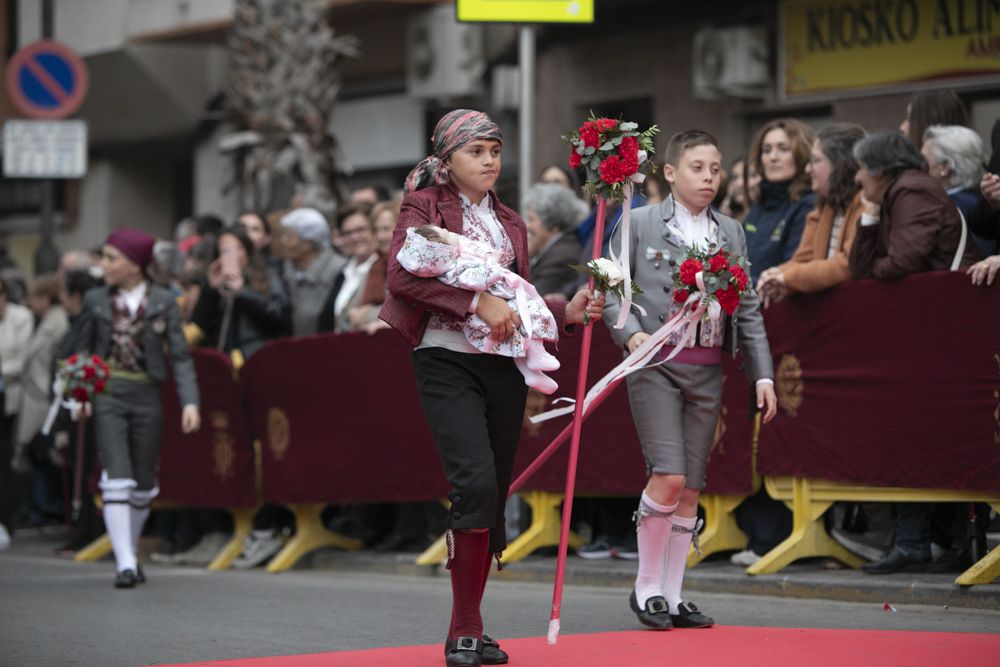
[133, 297]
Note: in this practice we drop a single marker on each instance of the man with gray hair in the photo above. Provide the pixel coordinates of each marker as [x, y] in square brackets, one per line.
[954, 157]
[310, 267]
[552, 212]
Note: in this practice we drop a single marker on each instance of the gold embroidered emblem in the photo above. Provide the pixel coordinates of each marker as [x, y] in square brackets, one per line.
[278, 430]
[223, 455]
[789, 384]
[220, 420]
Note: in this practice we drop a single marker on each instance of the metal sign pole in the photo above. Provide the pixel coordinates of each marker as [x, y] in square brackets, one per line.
[526, 48]
[46, 256]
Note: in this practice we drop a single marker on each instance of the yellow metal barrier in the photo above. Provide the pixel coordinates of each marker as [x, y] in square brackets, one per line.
[720, 532]
[310, 534]
[810, 498]
[546, 524]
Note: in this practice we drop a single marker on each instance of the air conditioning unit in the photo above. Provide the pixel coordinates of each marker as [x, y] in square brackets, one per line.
[730, 62]
[444, 57]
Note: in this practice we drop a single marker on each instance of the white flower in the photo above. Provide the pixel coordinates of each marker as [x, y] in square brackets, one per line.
[610, 270]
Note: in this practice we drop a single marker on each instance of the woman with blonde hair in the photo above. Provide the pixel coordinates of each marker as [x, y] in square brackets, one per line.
[780, 152]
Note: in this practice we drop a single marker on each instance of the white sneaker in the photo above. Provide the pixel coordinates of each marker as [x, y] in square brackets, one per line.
[4, 538]
[746, 558]
[204, 552]
[859, 544]
[259, 546]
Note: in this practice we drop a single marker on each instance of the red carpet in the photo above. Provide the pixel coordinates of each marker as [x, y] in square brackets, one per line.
[721, 646]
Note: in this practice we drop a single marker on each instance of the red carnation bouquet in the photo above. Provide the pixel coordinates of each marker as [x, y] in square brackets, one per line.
[79, 379]
[713, 276]
[83, 377]
[611, 152]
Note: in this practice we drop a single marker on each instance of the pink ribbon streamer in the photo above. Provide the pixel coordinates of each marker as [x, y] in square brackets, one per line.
[696, 306]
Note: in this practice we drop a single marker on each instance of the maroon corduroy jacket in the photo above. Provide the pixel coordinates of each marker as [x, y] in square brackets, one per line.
[410, 299]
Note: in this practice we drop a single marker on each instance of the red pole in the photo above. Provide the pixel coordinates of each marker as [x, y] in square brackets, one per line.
[574, 447]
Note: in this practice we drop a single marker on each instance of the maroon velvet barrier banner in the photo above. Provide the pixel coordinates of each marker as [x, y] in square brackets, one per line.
[340, 421]
[611, 461]
[213, 467]
[888, 384]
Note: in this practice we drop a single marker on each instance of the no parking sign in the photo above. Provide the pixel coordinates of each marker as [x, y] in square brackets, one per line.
[47, 80]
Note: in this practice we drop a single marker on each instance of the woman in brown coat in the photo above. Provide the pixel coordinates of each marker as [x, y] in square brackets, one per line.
[909, 223]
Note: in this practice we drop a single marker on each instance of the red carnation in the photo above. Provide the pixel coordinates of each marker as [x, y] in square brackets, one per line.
[612, 170]
[589, 135]
[681, 295]
[89, 372]
[740, 275]
[73, 359]
[80, 394]
[728, 298]
[718, 264]
[629, 148]
[574, 160]
[99, 386]
[605, 124]
[690, 269]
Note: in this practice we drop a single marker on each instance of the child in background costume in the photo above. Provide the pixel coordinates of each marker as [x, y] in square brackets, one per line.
[133, 325]
[456, 260]
[675, 405]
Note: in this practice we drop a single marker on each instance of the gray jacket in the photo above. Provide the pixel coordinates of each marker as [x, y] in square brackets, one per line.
[745, 328]
[162, 336]
[309, 290]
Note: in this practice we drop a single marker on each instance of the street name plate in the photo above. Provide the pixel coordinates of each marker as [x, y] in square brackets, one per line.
[45, 149]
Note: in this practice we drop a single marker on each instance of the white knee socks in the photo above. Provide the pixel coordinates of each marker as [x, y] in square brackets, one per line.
[653, 523]
[117, 519]
[677, 552]
[139, 502]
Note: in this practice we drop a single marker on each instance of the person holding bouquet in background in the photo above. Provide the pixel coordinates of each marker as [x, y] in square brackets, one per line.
[136, 327]
[676, 404]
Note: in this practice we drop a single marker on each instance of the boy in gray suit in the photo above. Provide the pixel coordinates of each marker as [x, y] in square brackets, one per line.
[676, 405]
[133, 325]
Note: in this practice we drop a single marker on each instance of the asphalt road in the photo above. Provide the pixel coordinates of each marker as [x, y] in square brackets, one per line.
[58, 612]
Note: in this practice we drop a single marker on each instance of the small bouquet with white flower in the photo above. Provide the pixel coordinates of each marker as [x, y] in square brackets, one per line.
[608, 278]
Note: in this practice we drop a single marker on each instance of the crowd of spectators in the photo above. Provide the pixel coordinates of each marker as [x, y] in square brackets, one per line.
[819, 206]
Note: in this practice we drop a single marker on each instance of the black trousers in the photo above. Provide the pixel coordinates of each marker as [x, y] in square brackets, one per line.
[474, 404]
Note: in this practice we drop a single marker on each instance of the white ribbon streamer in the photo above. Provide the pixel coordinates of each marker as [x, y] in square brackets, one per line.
[623, 263]
[58, 387]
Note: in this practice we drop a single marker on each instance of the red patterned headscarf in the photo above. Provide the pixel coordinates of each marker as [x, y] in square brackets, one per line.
[454, 130]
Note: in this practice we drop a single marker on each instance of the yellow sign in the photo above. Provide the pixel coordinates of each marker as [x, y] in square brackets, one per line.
[523, 11]
[838, 45]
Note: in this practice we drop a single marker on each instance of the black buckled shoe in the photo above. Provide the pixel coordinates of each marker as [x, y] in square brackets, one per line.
[492, 653]
[465, 651]
[655, 615]
[140, 576]
[125, 579]
[688, 616]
